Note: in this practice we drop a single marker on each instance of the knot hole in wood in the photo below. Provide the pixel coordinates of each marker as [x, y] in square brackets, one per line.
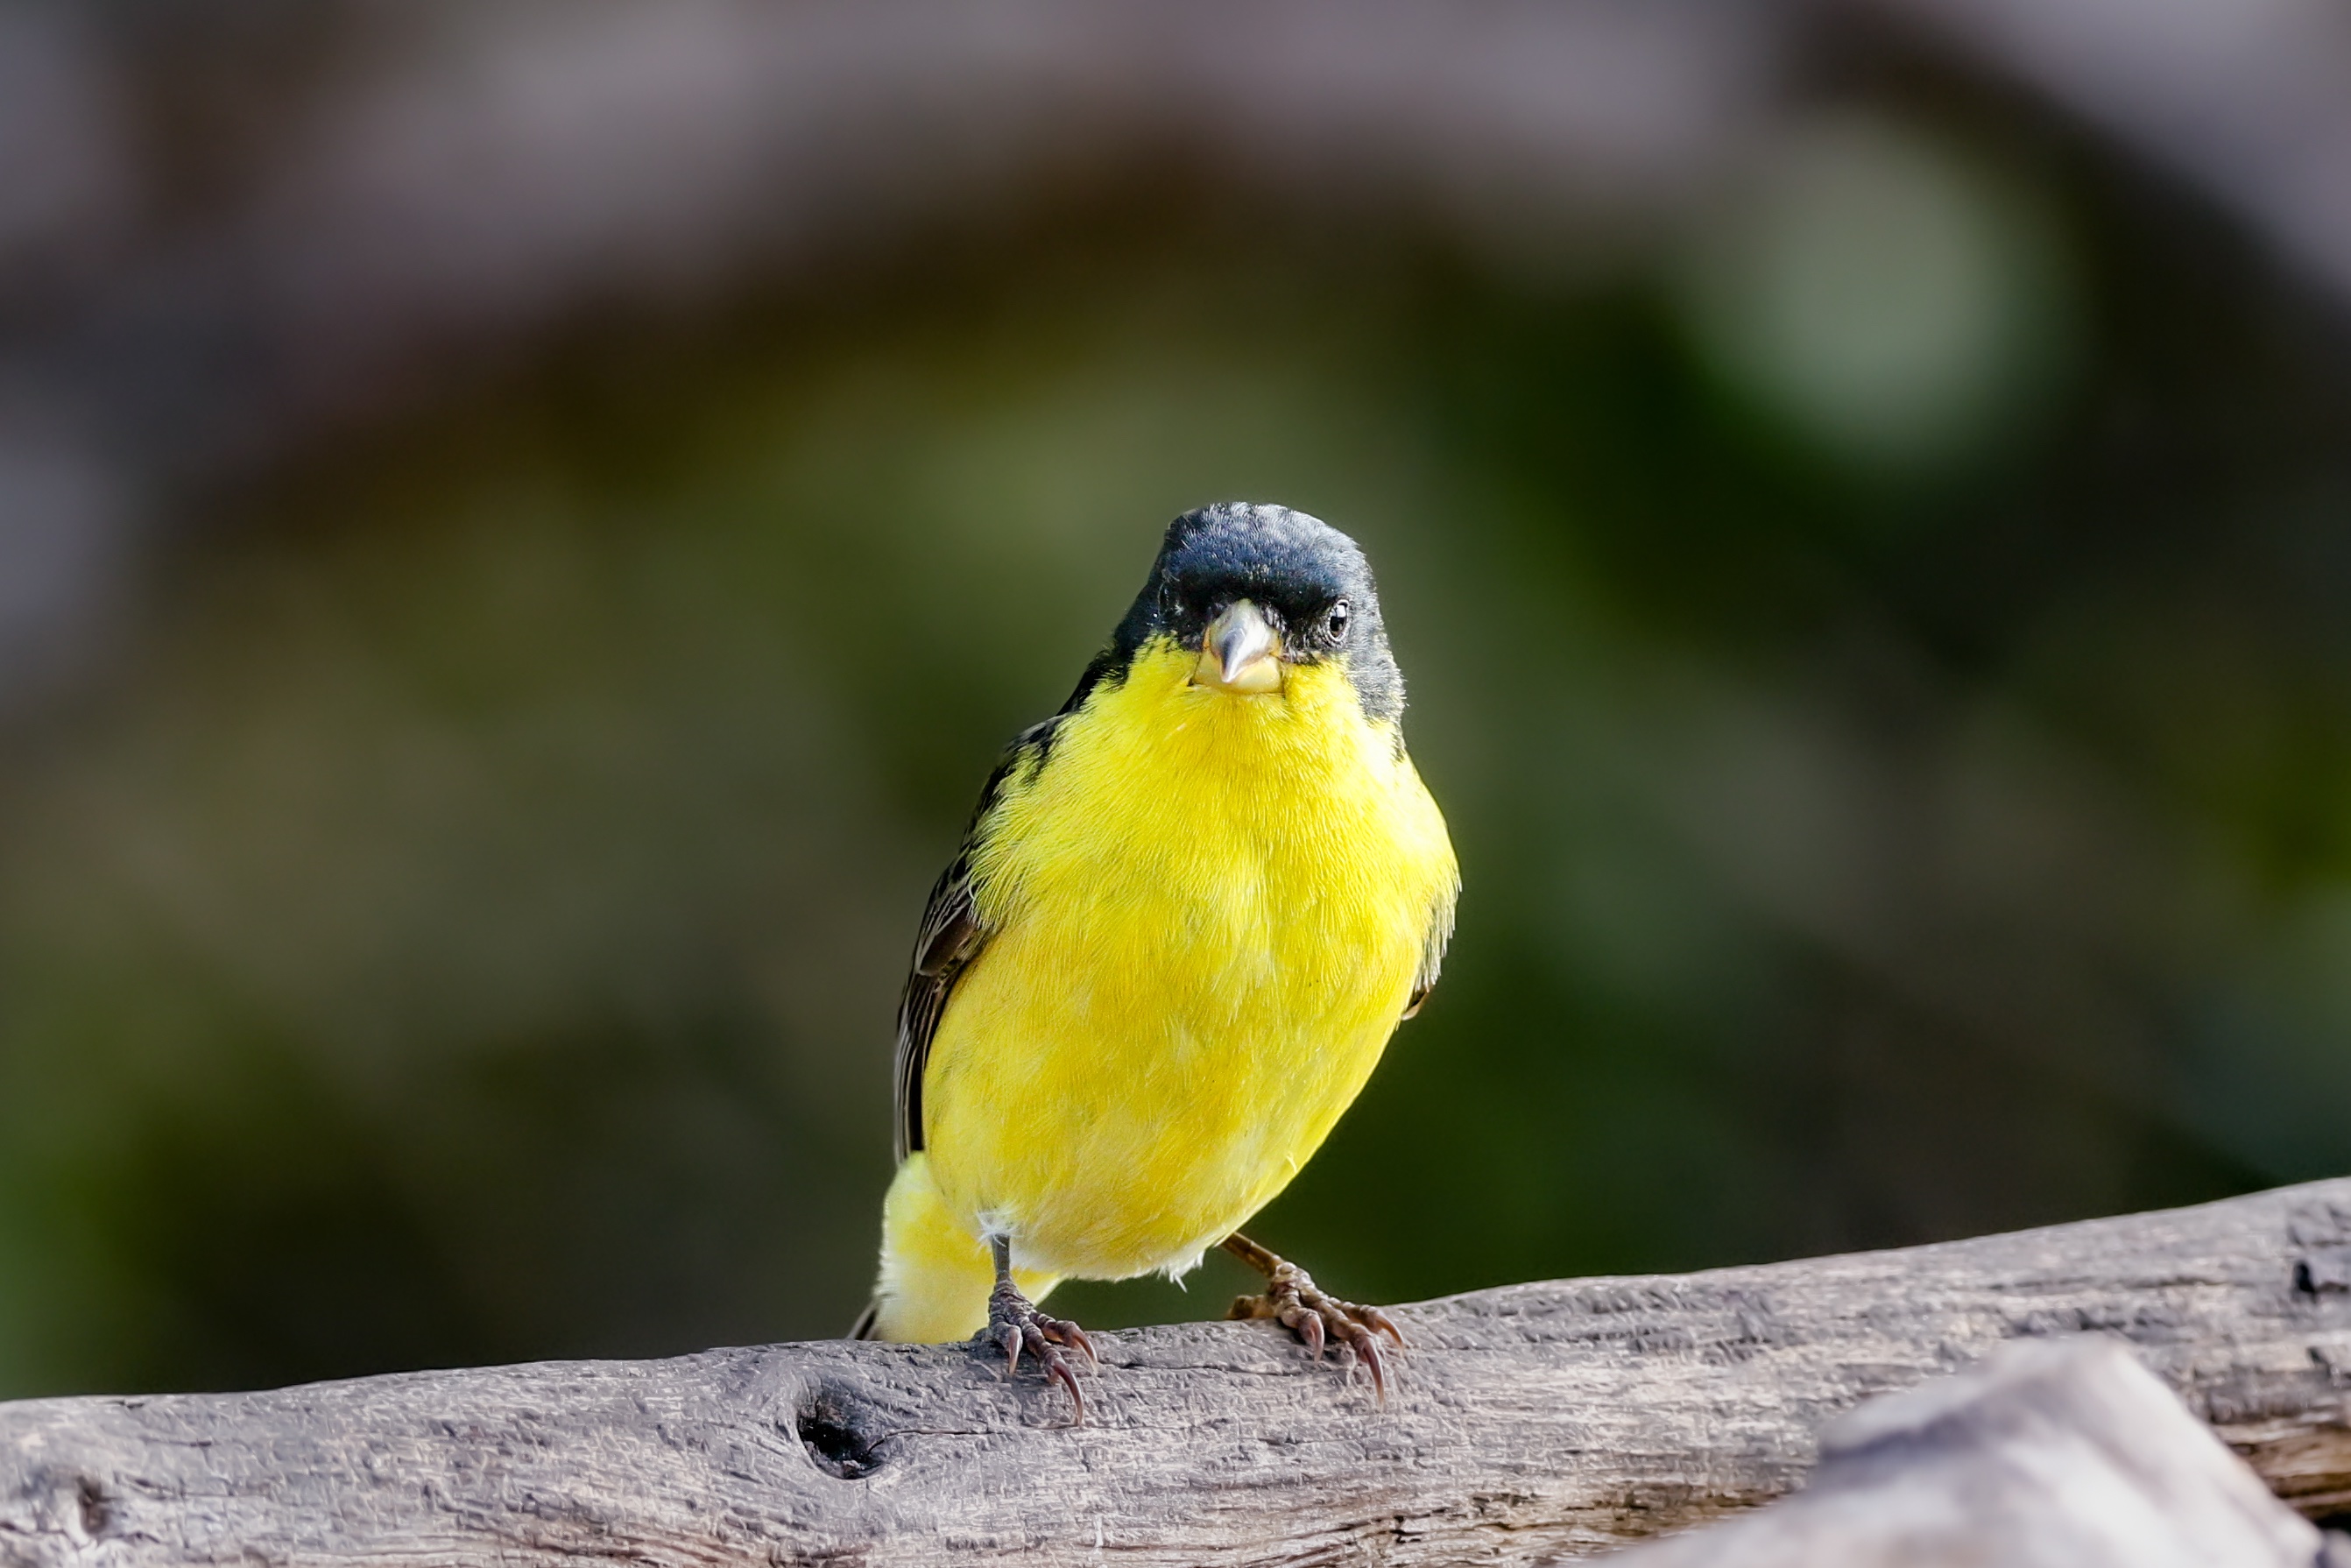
[832, 1426]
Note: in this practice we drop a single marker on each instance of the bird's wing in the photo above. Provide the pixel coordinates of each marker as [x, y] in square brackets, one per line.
[952, 936]
[1432, 954]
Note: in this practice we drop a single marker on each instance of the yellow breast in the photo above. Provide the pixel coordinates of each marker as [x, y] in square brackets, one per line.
[1208, 912]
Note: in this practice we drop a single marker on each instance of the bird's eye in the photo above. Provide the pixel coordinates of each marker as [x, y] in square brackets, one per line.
[1335, 619]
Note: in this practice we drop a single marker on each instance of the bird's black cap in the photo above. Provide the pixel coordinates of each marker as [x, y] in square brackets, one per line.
[1311, 580]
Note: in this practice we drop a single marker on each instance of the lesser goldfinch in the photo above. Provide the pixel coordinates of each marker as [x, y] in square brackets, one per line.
[1190, 909]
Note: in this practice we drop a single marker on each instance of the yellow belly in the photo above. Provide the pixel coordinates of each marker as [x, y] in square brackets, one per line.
[1209, 910]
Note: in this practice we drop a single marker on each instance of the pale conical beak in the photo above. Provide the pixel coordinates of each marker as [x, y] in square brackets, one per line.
[1239, 652]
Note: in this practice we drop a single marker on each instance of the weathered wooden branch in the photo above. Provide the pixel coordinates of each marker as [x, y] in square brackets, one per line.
[2056, 1453]
[1530, 1422]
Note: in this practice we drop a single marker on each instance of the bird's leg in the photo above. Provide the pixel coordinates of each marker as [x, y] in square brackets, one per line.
[1293, 1299]
[1015, 1325]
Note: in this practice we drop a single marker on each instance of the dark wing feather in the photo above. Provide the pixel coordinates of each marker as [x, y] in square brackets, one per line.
[1432, 952]
[952, 936]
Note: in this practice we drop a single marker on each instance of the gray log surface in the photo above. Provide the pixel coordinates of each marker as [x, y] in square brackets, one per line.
[2056, 1454]
[1528, 1423]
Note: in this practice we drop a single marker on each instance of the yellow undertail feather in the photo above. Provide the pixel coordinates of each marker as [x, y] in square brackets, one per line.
[1207, 913]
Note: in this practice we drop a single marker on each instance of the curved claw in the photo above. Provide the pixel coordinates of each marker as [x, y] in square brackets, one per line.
[1060, 1331]
[1309, 1327]
[1366, 1346]
[1056, 1367]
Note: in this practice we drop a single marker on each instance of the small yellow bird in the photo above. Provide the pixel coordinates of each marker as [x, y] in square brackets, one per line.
[1190, 910]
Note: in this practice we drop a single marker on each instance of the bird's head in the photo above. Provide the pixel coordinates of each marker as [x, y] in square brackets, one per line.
[1256, 594]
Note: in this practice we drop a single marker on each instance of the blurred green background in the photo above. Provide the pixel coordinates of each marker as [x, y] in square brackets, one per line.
[1880, 644]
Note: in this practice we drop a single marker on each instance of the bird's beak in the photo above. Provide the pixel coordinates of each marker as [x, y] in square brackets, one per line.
[1239, 652]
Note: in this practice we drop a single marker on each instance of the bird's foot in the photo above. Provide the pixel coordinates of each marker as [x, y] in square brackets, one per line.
[1014, 1324]
[1294, 1300]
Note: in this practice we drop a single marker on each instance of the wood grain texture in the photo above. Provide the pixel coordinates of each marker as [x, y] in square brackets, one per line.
[2056, 1454]
[1529, 1423]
